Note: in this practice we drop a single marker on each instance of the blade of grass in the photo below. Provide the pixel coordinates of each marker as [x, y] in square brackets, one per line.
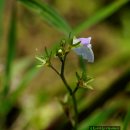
[126, 120]
[48, 14]
[99, 16]
[11, 50]
[98, 118]
[10, 56]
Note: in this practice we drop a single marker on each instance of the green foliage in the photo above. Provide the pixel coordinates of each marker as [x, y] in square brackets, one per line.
[48, 14]
[126, 120]
[98, 118]
[11, 50]
[5, 103]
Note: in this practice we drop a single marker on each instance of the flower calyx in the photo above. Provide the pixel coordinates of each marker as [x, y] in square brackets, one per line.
[82, 83]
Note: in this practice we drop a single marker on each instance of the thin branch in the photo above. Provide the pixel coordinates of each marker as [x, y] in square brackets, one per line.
[62, 74]
[72, 93]
[54, 69]
[63, 64]
[76, 88]
[75, 110]
[66, 84]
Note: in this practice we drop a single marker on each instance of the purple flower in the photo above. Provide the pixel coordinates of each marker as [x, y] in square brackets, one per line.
[84, 48]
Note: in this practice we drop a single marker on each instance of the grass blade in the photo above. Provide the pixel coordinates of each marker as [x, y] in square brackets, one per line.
[11, 49]
[126, 120]
[48, 14]
[99, 16]
[98, 118]
[10, 56]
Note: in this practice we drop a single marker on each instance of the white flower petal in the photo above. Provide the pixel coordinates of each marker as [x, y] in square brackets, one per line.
[79, 50]
[89, 55]
[85, 52]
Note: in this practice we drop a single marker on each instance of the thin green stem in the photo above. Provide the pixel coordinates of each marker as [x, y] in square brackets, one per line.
[54, 69]
[63, 77]
[75, 110]
[76, 88]
[63, 64]
[66, 84]
[71, 92]
[73, 100]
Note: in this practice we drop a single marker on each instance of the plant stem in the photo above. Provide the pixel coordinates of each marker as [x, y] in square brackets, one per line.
[76, 88]
[62, 75]
[63, 64]
[71, 92]
[66, 84]
[54, 69]
[73, 100]
[75, 110]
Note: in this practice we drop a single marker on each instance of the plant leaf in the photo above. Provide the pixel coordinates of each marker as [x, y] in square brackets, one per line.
[11, 49]
[126, 120]
[48, 14]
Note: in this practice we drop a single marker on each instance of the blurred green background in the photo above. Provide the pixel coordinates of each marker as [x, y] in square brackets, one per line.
[29, 95]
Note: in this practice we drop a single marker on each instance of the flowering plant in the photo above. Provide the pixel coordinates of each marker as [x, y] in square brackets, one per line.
[83, 48]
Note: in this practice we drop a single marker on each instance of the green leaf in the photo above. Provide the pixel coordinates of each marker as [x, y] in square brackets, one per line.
[48, 14]
[89, 87]
[11, 49]
[99, 16]
[89, 79]
[98, 118]
[126, 120]
[40, 59]
[4, 102]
